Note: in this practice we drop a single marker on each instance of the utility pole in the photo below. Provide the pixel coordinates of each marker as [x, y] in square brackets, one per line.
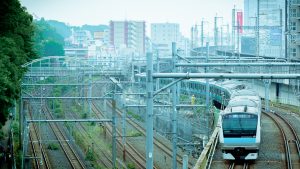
[174, 109]
[90, 95]
[221, 36]
[228, 36]
[149, 111]
[280, 23]
[285, 29]
[257, 25]
[233, 30]
[207, 93]
[202, 33]
[215, 32]
[238, 38]
[114, 131]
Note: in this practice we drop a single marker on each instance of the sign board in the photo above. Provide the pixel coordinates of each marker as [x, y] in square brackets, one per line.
[239, 19]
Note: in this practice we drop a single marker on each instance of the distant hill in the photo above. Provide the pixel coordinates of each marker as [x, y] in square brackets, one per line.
[63, 29]
[94, 28]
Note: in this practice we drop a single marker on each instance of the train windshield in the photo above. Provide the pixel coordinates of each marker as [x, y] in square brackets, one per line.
[239, 125]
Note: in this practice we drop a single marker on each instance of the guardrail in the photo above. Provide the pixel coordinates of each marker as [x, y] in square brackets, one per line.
[206, 156]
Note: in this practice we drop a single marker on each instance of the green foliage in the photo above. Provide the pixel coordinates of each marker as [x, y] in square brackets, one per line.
[47, 41]
[130, 166]
[135, 116]
[16, 48]
[1, 135]
[94, 28]
[84, 115]
[53, 48]
[15, 127]
[184, 98]
[90, 156]
[61, 28]
[134, 134]
[52, 146]
[58, 110]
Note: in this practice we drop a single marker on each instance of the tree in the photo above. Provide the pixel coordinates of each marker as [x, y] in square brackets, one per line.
[52, 48]
[16, 48]
[61, 28]
[47, 41]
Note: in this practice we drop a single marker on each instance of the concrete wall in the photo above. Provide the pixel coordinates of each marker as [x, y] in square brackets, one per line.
[286, 94]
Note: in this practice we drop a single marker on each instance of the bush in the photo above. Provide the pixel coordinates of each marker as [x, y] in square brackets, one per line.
[90, 156]
[135, 116]
[134, 134]
[53, 146]
[1, 135]
[130, 166]
[84, 115]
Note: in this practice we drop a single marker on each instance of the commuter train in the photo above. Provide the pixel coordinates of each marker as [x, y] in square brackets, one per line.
[240, 126]
[239, 121]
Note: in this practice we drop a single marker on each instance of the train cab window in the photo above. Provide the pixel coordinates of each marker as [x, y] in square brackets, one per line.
[239, 125]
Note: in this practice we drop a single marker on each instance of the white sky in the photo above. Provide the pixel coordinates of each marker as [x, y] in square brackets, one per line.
[184, 12]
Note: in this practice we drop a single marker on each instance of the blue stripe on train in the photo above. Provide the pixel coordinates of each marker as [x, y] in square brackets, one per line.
[239, 140]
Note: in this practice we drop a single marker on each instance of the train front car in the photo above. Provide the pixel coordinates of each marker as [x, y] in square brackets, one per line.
[240, 128]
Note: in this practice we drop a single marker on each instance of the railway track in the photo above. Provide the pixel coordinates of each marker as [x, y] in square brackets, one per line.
[135, 155]
[41, 160]
[70, 153]
[234, 165]
[104, 158]
[166, 149]
[290, 140]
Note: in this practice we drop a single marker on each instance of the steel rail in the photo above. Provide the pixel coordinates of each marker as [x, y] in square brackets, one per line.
[133, 157]
[87, 134]
[226, 75]
[236, 64]
[231, 165]
[294, 132]
[286, 145]
[33, 132]
[75, 160]
[157, 142]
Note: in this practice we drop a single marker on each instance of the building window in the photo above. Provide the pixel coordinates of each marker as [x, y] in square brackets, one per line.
[293, 38]
[293, 13]
[294, 52]
[293, 26]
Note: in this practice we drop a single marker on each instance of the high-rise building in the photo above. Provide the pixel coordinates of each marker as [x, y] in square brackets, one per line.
[271, 28]
[250, 12]
[128, 34]
[294, 29]
[162, 36]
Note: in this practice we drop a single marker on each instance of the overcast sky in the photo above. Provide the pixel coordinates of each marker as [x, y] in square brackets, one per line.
[184, 12]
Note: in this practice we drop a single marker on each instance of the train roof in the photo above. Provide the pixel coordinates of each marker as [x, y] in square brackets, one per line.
[240, 105]
[202, 80]
[244, 92]
[242, 102]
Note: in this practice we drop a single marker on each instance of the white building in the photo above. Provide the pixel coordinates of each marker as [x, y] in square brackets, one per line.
[162, 36]
[128, 34]
[81, 37]
[102, 36]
